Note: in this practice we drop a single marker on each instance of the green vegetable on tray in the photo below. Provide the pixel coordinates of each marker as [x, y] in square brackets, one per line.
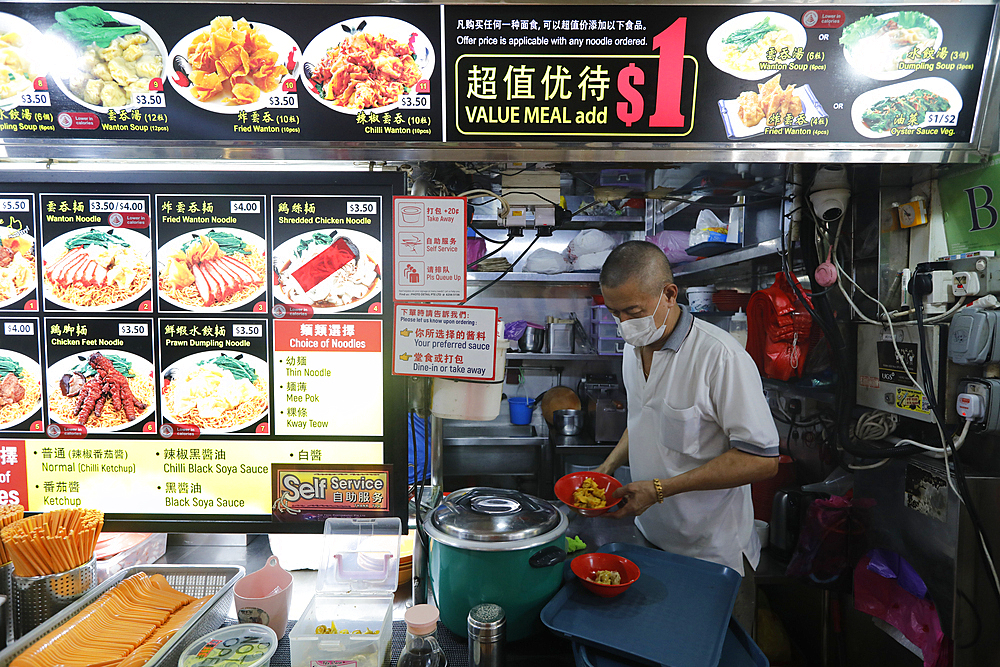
[744, 38]
[95, 237]
[8, 365]
[239, 369]
[86, 24]
[867, 26]
[121, 365]
[228, 243]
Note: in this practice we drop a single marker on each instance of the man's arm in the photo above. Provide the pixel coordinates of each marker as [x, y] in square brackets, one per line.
[617, 458]
[730, 469]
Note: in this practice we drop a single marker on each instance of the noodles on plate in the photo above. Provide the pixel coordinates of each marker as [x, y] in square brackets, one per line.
[15, 413]
[63, 406]
[243, 414]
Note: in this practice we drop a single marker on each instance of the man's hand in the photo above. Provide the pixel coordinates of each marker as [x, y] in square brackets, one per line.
[639, 496]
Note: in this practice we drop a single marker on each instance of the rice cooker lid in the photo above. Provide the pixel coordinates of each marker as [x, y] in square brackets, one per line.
[482, 514]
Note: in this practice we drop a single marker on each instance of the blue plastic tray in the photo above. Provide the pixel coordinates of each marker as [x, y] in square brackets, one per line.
[676, 614]
[738, 650]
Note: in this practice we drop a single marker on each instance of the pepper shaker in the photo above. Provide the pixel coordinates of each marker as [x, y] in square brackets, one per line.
[487, 633]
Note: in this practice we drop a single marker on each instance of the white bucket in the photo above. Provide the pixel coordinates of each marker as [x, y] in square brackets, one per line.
[473, 400]
[700, 299]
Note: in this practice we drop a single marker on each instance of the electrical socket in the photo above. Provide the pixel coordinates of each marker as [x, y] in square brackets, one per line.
[988, 391]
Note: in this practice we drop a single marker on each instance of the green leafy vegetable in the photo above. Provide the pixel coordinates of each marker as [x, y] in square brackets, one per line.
[867, 26]
[228, 243]
[744, 38]
[901, 110]
[317, 237]
[86, 24]
[8, 365]
[94, 237]
[121, 365]
[239, 369]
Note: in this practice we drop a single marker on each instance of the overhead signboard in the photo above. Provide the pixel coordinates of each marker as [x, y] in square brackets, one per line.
[892, 76]
[429, 247]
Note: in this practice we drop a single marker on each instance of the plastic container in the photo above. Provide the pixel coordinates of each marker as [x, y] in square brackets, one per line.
[606, 329]
[148, 551]
[358, 575]
[700, 299]
[738, 327]
[242, 645]
[421, 647]
[473, 400]
[610, 346]
[601, 314]
[520, 409]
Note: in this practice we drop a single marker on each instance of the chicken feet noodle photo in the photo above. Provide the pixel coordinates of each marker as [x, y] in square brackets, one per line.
[20, 388]
[366, 64]
[216, 391]
[105, 390]
[212, 269]
[17, 265]
[96, 268]
[106, 57]
[329, 268]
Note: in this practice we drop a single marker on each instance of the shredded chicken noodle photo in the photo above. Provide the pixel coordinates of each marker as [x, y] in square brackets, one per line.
[334, 269]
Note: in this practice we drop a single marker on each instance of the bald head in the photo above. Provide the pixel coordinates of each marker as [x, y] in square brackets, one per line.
[637, 263]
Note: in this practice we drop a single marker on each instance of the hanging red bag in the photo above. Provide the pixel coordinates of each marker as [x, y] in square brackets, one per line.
[779, 330]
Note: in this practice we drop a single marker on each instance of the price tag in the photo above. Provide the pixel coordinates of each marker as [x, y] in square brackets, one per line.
[244, 206]
[117, 205]
[283, 101]
[941, 118]
[133, 329]
[13, 205]
[19, 328]
[248, 330]
[415, 102]
[362, 208]
[34, 99]
[150, 99]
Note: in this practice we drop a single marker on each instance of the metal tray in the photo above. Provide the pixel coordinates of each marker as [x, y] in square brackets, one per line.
[738, 650]
[196, 580]
[675, 614]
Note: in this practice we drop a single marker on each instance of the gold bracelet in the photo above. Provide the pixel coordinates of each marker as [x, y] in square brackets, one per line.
[659, 490]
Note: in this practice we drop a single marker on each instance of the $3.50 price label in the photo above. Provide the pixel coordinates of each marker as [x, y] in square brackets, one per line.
[637, 94]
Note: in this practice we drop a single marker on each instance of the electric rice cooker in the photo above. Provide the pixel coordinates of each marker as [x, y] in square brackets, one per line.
[499, 546]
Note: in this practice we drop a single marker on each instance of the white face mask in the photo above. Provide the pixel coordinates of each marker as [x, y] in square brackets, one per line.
[640, 331]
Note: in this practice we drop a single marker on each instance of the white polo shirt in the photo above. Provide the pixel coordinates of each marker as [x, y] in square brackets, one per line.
[703, 396]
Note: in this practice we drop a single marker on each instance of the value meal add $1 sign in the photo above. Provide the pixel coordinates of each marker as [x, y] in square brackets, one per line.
[445, 341]
[429, 249]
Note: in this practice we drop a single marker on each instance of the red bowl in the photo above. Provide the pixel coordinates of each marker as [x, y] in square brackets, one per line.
[586, 566]
[567, 484]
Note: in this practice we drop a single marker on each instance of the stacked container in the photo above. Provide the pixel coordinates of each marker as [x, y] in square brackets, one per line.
[357, 578]
[604, 331]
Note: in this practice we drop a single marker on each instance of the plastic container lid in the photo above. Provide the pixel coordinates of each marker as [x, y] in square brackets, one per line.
[360, 557]
[421, 619]
[241, 645]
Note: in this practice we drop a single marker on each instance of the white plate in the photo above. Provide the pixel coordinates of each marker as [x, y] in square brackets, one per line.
[34, 371]
[366, 244]
[281, 44]
[934, 84]
[34, 49]
[67, 53]
[54, 249]
[737, 130]
[140, 367]
[863, 65]
[390, 27]
[6, 232]
[186, 364]
[174, 246]
[714, 45]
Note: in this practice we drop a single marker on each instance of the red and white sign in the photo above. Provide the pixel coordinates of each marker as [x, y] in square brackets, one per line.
[438, 340]
[428, 249]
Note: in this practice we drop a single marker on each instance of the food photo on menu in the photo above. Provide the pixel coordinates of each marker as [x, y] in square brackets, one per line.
[212, 269]
[20, 386]
[103, 390]
[96, 268]
[230, 64]
[104, 59]
[745, 45]
[22, 58]
[903, 109]
[366, 64]
[770, 106]
[891, 46]
[329, 269]
[17, 265]
[219, 391]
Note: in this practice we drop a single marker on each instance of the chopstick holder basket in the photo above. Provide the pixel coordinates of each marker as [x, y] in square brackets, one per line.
[36, 599]
[6, 584]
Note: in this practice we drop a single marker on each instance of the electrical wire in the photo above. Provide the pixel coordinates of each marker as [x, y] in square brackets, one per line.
[491, 253]
[480, 192]
[532, 194]
[502, 275]
[485, 237]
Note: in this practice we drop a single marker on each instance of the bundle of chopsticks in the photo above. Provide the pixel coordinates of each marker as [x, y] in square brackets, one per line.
[8, 515]
[52, 542]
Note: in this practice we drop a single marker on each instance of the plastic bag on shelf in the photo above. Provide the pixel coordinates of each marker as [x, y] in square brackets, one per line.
[673, 244]
[592, 261]
[707, 229]
[546, 261]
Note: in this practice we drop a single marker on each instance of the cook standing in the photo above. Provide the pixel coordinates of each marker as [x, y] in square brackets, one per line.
[699, 428]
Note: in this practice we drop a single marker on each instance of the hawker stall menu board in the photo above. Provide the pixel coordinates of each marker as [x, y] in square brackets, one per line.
[190, 337]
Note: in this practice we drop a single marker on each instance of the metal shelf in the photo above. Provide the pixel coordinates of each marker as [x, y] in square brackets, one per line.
[516, 276]
[762, 249]
[544, 357]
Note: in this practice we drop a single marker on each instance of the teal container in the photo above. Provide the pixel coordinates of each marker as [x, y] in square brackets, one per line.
[499, 546]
